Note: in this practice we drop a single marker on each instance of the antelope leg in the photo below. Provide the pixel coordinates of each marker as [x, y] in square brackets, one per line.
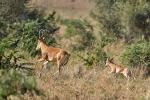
[41, 59]
[45, 64]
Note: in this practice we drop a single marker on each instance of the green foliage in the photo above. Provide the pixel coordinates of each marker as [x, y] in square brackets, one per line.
[13, 82]
[94, 56]
[80, 32]
[99, 55]
[10, 9]
[24, 34]
[106, 38]
[123, 18]
[137, 54]
[143, 98]
[4, 28]
[8, 55]
[14, 37]
[9, 60]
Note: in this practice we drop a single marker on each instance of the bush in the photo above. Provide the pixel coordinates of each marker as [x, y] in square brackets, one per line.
[15, 83]
[94, 56]
[8, 55]
[137, 54]
[10, 9]
[79, 33]
[123, 18]
[4, 28]
[24, 34]
[83, 42]
[106, 39]
[99, 55]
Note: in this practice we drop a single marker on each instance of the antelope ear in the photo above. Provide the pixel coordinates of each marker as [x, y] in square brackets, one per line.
[40, 38]
[112, 59]
[107, 60]
[43, 38]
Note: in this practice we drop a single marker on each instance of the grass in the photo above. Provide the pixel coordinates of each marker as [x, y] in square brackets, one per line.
[78, 83]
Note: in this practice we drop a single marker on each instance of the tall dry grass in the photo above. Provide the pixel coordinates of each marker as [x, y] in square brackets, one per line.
[78, 83]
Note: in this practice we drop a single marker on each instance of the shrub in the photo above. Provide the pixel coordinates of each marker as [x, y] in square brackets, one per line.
[15, 83]
[137, 54]
[95, 56]
[99, 55]
[106, 39]
[10, 9]
[123, 18]
[84, 43]
[4, 27]
[24, 34]
[79, 32]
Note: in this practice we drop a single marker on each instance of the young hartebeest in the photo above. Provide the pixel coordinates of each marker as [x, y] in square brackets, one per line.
[118, 69]
[50, 53]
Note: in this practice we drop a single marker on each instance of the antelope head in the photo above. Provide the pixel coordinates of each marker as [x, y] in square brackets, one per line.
[108, 61]
[40, 39]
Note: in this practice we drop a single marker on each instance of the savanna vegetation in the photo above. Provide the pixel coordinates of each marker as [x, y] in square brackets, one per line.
[118, 29]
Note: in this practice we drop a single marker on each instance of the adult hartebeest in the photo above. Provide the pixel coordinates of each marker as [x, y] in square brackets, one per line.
[49, 53]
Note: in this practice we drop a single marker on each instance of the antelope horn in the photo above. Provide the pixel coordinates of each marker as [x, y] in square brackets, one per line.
[41, 31]
[112, 59]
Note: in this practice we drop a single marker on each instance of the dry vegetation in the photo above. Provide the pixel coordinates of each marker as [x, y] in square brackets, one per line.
[66, 8]
[78, 83]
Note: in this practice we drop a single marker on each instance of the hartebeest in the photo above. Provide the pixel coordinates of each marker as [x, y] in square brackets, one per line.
[49, 53]
[117, 68]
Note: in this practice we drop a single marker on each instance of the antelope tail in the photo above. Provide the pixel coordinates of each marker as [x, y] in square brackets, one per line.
[65, 59]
